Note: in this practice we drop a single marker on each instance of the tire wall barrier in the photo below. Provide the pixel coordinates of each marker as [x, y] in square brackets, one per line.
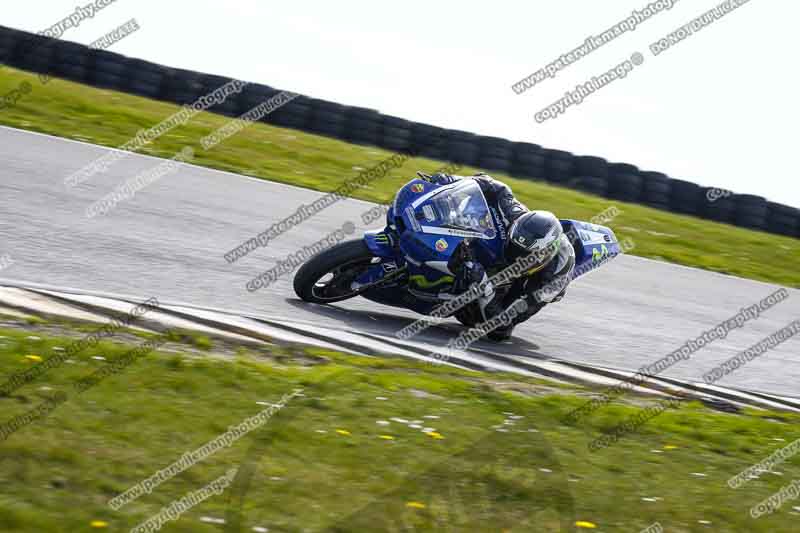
[595, 175]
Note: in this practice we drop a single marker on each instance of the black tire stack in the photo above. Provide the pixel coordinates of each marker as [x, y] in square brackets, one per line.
[462, 147]
[495, 154]
[783, 220]
[591, 175]
[656, 190]
[9, 40]
[364, 126]
[751, 211]
[230, 107]
[74, 62]
[327, 118]
[429, 141]
[295, 114]
[686, 198]
[144, 78]
[35, 53]
[395, 134]
[559, 166]
[183, 87]
[107, 70]
[624, 182]
[529, 161]
[254, 95]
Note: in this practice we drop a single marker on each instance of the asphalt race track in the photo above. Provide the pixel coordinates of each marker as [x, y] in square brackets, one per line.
[169, 240]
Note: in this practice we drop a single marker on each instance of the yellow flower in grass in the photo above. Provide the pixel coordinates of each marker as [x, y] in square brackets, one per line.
[342, 432]
[416, 505]
[33, 358]
[387, 437]
[434, 434]
[670, 447]
[98, 523]
[584, 524]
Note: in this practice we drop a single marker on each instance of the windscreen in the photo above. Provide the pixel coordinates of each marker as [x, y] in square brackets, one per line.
[463, 210]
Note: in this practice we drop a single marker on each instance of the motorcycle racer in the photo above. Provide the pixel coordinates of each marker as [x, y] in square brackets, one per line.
[528, 233]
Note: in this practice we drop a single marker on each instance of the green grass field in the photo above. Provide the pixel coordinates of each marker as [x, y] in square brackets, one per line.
[107, 118]
[492, 453]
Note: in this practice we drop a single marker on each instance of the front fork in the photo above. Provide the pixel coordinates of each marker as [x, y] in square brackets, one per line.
[382, 243]
[388, 264]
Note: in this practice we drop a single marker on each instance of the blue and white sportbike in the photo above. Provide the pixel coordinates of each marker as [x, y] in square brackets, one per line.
[405, 263]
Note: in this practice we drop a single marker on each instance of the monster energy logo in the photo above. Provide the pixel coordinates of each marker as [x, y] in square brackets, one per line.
[424, 283]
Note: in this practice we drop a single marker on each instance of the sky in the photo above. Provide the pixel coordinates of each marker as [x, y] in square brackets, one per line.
[718, 108]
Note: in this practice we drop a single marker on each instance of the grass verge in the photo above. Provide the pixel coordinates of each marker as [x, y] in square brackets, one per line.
[109, 118]
[374, 444]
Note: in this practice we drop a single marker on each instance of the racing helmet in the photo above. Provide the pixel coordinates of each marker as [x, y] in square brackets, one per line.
[536, 234]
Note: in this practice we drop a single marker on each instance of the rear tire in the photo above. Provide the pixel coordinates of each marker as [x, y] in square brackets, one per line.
[344, 260]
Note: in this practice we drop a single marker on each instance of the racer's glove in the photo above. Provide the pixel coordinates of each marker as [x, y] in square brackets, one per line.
[438, 178]
[468, 272]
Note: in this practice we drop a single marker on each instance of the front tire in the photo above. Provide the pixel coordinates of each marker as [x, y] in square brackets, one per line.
[327, 277]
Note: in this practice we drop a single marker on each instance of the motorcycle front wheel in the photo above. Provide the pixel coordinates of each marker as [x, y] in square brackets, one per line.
[328, 276]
